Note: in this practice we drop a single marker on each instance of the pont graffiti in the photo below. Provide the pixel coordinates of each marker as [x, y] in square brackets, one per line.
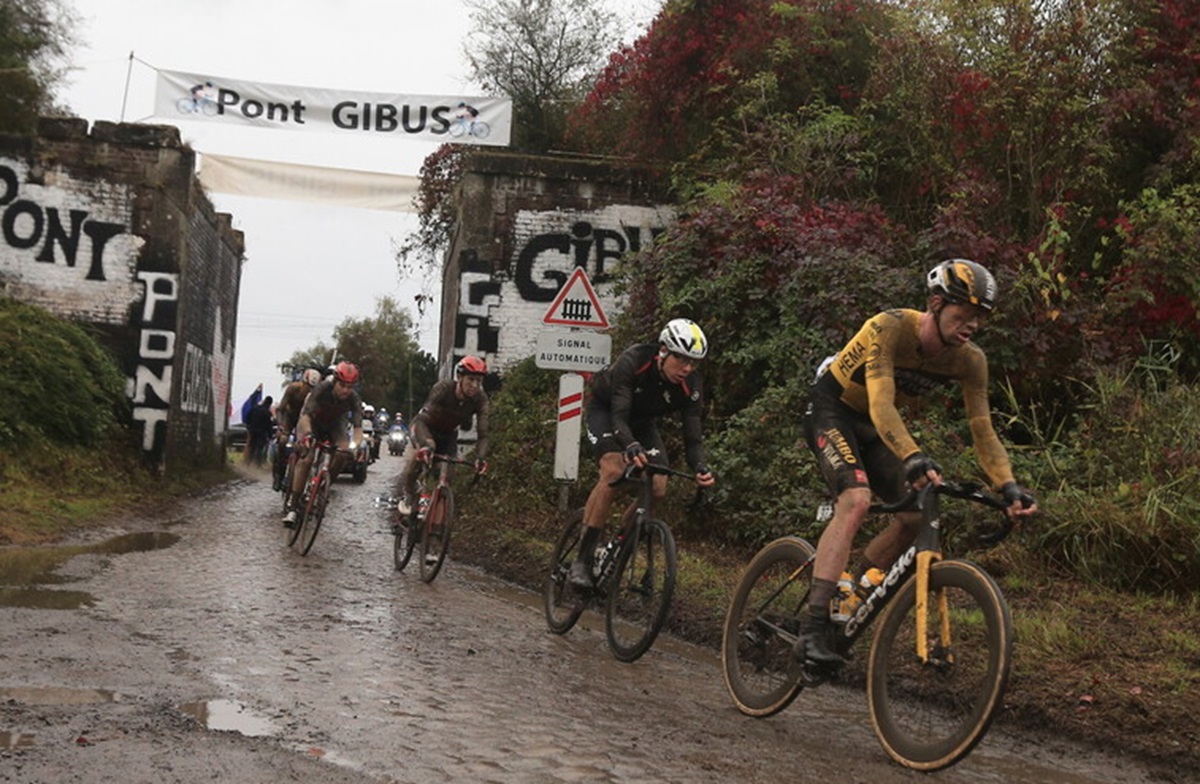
[152, 378]
[27, 225]
[583, 246]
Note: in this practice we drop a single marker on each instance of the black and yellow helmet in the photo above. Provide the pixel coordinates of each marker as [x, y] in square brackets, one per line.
[964, 282]
[684, 337]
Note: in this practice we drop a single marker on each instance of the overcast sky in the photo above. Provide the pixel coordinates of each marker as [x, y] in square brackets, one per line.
[309, 266]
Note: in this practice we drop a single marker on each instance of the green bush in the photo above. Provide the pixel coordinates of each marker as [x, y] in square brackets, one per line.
[523, 420]
[1122, 500]
[57, 382]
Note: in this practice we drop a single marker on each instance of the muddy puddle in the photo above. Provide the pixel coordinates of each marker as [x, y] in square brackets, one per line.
[26, 571]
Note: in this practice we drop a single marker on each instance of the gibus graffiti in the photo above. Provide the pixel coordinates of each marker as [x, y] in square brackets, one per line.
[499, 316]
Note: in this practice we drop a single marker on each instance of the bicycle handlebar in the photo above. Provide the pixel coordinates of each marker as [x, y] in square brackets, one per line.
[969, 491]
[439, 458]
[650, 469]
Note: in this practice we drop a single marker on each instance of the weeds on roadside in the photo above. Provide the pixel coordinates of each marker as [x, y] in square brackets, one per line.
[1121, 489]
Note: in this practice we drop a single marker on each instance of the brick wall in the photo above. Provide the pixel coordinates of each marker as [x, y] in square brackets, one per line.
[525, 223]
[111, 228]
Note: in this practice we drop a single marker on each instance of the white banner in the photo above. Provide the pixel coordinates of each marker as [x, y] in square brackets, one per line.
[340, 187]
[462, 119]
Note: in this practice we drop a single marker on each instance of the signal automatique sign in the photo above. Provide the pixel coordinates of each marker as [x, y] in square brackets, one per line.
[580, 352]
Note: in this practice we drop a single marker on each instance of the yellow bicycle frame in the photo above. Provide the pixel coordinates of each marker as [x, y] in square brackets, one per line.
[925, 559]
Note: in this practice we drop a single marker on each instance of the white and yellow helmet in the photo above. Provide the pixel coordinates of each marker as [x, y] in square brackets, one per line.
[683, 336]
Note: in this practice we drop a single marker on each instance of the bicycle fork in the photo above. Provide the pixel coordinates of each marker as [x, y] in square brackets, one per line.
[925, 560]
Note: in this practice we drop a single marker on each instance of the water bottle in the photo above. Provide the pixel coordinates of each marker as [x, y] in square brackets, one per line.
[871, 579]
[845, 590]
[600, 562]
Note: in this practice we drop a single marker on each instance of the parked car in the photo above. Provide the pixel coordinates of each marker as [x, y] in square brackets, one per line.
[235, 437]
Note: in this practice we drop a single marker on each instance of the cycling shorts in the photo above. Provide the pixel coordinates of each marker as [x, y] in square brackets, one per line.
[601, 435]
[849, 451]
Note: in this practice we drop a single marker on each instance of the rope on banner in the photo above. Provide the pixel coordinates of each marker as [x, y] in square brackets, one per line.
[128, 78]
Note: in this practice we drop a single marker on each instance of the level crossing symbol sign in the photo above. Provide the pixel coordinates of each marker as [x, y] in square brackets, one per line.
[576, 304]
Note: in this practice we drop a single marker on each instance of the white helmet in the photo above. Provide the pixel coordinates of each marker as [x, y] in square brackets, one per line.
[683, 336]
[312, 377]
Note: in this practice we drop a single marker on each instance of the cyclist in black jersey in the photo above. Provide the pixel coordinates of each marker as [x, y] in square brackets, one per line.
[853, 426]
[627, 397]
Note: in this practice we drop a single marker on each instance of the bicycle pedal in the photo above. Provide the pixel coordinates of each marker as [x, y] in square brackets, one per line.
[816, 673]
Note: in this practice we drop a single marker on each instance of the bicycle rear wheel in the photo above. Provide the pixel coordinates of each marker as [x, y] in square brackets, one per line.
[286, 490]
[435, 534]
[930, 716]
[762, 625]
[643, 583]
[404, 539]
[562, 603]
[315, 512]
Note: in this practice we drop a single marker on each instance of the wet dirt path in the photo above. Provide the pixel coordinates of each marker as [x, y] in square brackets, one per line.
[211, 652]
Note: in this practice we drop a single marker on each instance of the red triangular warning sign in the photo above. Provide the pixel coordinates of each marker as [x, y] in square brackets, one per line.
[576, 304]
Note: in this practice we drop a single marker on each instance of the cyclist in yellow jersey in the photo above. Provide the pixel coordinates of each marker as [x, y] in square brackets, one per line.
[853, 426]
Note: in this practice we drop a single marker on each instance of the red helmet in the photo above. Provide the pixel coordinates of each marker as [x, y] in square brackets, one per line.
[470, 366]
[346, 372]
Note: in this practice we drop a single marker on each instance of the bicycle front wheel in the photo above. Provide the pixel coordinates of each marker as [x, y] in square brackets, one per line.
[435, 535]
[405, 536]
[762, 625]
[315, 512]
[643, 583]
[563, 604]
[929, 716]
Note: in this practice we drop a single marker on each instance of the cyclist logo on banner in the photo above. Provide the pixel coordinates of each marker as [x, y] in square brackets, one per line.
[203, 100]
[466, 122]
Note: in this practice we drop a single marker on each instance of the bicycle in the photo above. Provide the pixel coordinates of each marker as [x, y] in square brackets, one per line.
[939, 661]
[429, 520]
[203, 104]
[283, 464]
[315, 495]
[634, 574]
[477, 128]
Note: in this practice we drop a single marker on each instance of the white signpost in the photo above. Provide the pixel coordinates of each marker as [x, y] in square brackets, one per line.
[570, 425]
[576, 306]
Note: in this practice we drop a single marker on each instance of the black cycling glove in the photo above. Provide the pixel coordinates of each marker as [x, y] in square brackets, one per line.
[1014, 492]
[917, 465]
[633, 451]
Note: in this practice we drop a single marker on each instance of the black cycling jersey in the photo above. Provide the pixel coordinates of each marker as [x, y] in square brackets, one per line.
[635, 393]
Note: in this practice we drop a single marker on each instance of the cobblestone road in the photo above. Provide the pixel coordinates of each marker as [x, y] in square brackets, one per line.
[208, 651]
